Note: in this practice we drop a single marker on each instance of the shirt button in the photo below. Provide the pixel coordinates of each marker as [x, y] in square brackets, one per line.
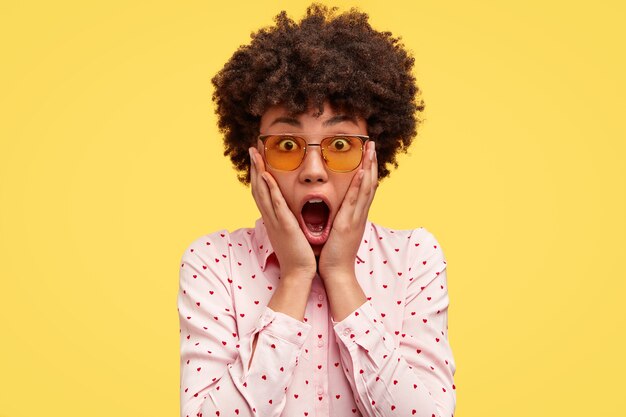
[320, 390]
[320, 343]
[320, 297]
[347, 332]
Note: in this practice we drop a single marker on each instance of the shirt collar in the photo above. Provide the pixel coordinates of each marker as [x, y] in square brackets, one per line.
[264, 247]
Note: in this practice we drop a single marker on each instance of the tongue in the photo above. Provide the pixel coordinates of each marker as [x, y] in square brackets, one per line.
[315, 216]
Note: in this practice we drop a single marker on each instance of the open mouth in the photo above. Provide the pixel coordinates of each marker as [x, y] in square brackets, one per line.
[314, 219]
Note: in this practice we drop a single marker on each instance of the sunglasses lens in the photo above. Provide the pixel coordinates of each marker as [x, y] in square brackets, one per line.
[342, 153]
[284, 152]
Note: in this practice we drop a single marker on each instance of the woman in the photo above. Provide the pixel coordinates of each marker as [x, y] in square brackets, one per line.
[316, 311]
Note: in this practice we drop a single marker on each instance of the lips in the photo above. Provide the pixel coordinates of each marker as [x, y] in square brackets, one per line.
[314, 218]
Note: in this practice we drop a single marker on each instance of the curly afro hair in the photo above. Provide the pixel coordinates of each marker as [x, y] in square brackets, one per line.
[326, 57]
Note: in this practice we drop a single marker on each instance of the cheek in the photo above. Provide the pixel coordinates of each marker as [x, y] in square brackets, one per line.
[342, 185]
[348, 179]
[285, 183]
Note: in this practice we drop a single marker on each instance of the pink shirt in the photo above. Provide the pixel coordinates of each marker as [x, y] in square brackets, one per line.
[390, 357]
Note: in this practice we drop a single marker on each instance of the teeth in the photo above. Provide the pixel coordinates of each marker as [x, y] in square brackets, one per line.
[315, 200]
[315, 229]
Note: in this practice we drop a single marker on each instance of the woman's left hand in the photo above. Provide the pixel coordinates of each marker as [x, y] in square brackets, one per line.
[337, 258]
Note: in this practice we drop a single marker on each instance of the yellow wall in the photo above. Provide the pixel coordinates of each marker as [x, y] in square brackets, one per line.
[110, 165]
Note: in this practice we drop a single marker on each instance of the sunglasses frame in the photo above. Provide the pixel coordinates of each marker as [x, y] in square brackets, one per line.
[363, 138]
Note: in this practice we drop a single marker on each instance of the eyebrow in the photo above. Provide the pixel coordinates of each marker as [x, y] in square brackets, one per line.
[330, 122]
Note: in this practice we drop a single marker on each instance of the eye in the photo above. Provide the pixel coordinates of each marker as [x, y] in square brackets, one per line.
[340, 144]
[287, 144]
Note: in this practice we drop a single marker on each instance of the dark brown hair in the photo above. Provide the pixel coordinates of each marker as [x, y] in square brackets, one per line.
[324, 57]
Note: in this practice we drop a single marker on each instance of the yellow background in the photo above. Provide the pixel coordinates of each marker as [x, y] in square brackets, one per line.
[111, 164]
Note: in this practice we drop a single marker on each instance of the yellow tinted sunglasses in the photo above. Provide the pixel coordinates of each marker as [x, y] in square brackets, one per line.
[341, 153]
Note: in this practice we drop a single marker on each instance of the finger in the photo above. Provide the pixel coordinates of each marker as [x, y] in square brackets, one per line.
[253, 172]
[260, 191]
[254, 184]
[373, 185]
[263, 187]
[279, 205]
[366, 192]
[260, 163]
[375, 168]
[263, 191]
[350, 199]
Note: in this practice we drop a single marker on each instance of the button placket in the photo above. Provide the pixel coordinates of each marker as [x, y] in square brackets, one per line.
[319, 357]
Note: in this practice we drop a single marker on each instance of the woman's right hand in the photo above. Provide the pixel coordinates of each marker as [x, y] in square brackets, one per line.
[294, 253]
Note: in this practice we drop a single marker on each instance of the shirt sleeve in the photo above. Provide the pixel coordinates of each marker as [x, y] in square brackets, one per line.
[415, 378]
[216, 376]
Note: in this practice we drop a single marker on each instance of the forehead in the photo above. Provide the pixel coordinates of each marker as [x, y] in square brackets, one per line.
[279, 116]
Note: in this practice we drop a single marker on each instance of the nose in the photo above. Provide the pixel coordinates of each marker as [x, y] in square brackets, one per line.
[313, 168]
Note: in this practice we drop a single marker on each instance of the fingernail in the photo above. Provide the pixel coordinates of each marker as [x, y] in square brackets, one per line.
[251, 156]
